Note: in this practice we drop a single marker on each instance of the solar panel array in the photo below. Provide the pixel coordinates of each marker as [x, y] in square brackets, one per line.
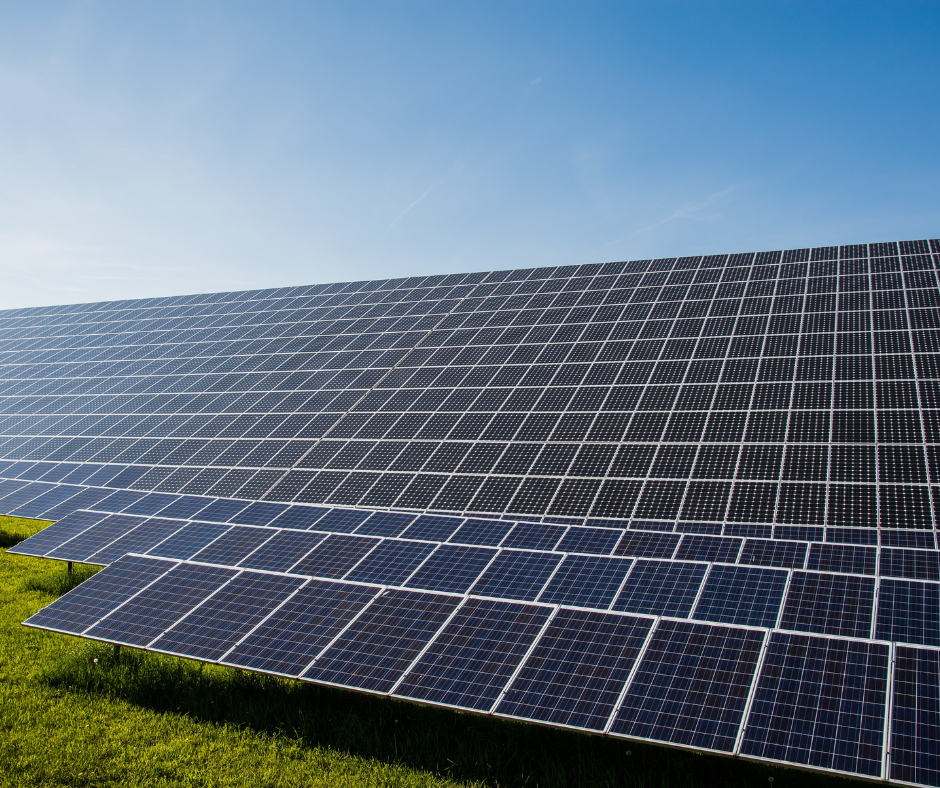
[686, 500]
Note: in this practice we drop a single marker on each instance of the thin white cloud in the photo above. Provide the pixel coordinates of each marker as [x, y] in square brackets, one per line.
[690, 210]
[407, 210]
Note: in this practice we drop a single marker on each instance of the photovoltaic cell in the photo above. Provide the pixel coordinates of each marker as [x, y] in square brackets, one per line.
[288, 641]
[471, 660]
[51, 537]
[533, 536]
[908, 612]
[661, 588]
[148, 615]
[771, 552]
[391, 562]
[691, 686]
[829, 604]
[282, 551]
[912, 564]
[188, 541]
[516, 574]
[452, 568]
[145, 536]
[335, 556]
[644, 544]
[575, 673]
[93, 539]
[741, 595]
[376, 650]
[234, 545]
[586, 581]
[915, 716]
[218, 623]
[96, 597]
[820, 702]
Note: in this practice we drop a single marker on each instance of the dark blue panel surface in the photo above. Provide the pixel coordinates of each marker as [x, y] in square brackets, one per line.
[189, 541]
[469, 662]
[589, 540]
[577, 669]
[282, 551]
[516, 574]
[829, 604]
[533, 536]
[290, 639]
[52, 536]
[141, 539]
[451, 568]
[335, 556]
[841, 558]
[234, 545]
[691, 686]
[391, 563]
[216, 625]
[772, 552]
[741, 595]
[148, 615]
[908, 612]
[432, 528]
[485, 533]
[915, 716]
[708, 548]
[912, 564]
[96, 597]
[644, 544]
[586, 581]
[820, 702]
[661, 588]
[376, 650]
[98, 536]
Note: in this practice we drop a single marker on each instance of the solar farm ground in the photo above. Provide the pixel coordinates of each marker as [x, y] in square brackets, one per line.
[72, 715]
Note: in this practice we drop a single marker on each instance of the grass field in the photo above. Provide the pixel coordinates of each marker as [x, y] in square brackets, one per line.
[71, 715]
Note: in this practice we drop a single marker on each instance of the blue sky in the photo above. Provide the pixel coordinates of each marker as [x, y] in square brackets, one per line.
[165, 148]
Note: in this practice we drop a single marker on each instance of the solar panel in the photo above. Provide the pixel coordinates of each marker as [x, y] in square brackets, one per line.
[575, 675]
[915, 716]
[218, 623]
[374, 652]
[661, 588]
[475, 654]
[152, 612]
[691, 686]
[86, 604]
[745, 446]
[289, 640]
[820, 702]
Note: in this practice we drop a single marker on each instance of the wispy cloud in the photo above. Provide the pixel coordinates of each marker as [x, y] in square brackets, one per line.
[411, 205]
[690, 210]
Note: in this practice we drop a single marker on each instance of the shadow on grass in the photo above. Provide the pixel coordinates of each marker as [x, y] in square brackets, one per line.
[463, 747]
[58, 583]
[9, 539]
[14, 530]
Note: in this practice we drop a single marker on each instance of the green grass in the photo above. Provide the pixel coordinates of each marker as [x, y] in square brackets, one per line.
[72, 715]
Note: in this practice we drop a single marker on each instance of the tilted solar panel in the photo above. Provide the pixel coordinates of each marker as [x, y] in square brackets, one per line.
[688, 500]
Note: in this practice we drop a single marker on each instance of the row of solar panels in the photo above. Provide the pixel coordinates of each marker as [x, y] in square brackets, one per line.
[802, 505]
[485, 320]
[585, 570]
[741, 501]
[854, 261]
[891, 334]
[883, 292]
[736, 690]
